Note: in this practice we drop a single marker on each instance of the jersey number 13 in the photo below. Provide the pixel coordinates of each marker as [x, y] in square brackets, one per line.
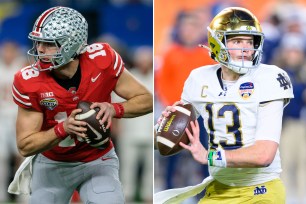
[234, 128]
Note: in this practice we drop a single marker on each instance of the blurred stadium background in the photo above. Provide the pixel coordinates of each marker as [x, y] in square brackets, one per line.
[127, 25]
[176, 54]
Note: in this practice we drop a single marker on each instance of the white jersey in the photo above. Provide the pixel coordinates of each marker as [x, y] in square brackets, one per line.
[230, 116]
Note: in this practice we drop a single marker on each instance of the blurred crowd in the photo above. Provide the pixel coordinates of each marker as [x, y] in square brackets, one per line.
[130, 34]
[177, 53]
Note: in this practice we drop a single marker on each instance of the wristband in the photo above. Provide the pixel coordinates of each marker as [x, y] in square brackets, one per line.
[216, 158]
[60, 131]
[118, 109]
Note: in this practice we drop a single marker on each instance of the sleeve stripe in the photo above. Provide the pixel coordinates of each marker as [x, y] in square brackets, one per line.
[20, 101]
[118, 72]
[25, 100]
[116, 61]
[22, 96]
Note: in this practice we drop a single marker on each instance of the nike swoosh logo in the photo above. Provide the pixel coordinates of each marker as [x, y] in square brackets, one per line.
[99, 136]
[95, 79]
[107, 158]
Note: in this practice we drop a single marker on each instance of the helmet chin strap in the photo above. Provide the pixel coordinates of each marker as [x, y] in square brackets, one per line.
[243, 64]
[43, 65]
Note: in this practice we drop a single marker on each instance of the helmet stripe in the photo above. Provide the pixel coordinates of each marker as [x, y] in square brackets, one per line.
[44, 16]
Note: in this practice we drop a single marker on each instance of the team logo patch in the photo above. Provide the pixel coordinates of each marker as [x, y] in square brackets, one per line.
[260, 190]
[246, 90]
[49, 103]
[284, 81]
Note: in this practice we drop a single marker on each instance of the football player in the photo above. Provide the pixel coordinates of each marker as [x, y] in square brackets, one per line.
[64, 70]
[241, 101]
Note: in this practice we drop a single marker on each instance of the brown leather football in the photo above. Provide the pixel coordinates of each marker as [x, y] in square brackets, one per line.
[97, 135]
[172, 130]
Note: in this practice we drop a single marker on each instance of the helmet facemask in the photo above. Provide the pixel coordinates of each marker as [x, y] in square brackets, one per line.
[234, 22]
[56, 59]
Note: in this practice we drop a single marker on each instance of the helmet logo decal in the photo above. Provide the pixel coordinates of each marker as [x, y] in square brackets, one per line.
[223, 55]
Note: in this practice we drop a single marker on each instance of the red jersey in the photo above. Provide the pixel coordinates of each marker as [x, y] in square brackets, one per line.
[100, 67]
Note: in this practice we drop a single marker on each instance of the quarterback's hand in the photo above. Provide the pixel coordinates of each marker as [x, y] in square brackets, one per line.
[167, 111]
[75, 127]
[195, 147]
[106, 113]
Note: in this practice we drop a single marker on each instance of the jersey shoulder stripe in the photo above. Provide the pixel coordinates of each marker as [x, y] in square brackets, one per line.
[23, 99]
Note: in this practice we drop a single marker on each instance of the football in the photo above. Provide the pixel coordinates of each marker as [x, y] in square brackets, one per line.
[97, 135]
[172, 130]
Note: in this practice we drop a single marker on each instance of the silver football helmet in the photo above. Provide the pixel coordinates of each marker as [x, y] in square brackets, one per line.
[66, 28]
[234, 21]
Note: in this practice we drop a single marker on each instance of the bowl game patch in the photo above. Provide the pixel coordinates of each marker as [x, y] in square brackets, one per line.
[246, 90]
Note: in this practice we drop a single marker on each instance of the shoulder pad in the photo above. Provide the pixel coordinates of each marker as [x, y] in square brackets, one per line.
[274, 83]
[24, 85]
[100, 54]
[26, 76]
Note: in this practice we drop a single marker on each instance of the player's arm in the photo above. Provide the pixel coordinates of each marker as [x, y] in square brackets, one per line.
[139, 100]
[268, 131]
[261, 154]
[31, 140]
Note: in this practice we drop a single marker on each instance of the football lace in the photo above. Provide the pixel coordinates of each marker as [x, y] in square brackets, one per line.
[87, 139]
[161, 124]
